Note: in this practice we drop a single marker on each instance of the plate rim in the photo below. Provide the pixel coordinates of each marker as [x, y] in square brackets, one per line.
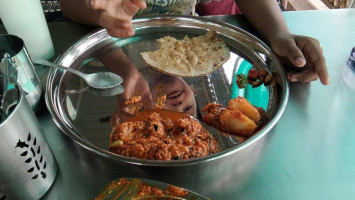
[55, 110]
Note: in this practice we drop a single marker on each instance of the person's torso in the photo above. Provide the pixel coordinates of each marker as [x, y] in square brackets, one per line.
[168, 7]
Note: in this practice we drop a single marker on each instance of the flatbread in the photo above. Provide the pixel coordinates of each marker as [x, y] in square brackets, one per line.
[190, 56]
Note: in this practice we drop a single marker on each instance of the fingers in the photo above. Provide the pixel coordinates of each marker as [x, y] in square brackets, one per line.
[114, 120]
[324, 77]
[99, 4]
[140, 3]
[319, 68]
[314, 54]
[118, 116]
[311, 73]
[116, 15]
[306, 55]
[129, 4]
[118, 7]
[120, 33]
[288, 48]
[129, 7]
[304, 76]
[147, 100]
[116, 27]
[129, 89]
[294, 54]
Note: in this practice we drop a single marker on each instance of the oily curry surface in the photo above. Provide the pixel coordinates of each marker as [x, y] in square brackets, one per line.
[138, 189]
[160, 134]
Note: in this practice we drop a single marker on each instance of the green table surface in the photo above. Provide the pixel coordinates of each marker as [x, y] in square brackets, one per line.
[310, 153]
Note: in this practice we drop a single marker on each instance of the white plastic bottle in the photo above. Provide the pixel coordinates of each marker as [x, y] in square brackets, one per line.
[25, 19]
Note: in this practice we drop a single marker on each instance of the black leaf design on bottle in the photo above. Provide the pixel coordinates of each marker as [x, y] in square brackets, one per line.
[24, 153]
[33, 152]
[33, 157]
[31, 170]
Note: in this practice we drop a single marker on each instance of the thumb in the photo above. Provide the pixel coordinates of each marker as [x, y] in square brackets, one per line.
[290, 50]
[131, 7]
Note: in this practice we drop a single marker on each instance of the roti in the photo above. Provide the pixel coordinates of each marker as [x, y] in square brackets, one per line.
[190, 56]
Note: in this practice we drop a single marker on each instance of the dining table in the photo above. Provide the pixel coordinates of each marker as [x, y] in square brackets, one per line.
[308, 154]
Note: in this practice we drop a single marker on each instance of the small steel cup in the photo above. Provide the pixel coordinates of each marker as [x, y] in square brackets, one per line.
[27, 77]
[27, 165]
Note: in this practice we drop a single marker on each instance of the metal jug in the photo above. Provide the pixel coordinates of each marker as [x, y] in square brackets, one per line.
[27, 77]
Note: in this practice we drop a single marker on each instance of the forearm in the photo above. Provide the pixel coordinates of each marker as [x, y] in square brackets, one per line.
[265, 16]
[116, 60]
[80, 11]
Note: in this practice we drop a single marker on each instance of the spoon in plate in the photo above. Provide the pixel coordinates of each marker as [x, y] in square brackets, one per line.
[98, 80]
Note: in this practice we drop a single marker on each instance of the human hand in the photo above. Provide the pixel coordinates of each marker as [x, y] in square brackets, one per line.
[133, 82]
[116, 15]
[304, 57]
[135, 85]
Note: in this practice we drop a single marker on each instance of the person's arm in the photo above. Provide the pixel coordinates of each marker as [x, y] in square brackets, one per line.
[113, 15]
[305, 53]
[265, 16]
[134, 83]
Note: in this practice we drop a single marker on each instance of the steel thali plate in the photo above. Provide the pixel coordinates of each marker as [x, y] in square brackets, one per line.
[84, 116]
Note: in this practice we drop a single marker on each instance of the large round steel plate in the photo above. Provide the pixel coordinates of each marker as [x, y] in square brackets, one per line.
[84, 116]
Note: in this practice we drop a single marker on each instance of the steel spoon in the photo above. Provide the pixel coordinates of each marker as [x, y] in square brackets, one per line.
[107, 92]
[99, 80]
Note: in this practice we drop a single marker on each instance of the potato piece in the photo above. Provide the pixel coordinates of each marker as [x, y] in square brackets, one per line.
[237, 123]
[245, 107]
